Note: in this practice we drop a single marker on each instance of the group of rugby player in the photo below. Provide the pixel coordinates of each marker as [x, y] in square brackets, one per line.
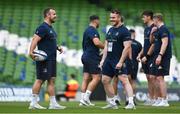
[119, 62]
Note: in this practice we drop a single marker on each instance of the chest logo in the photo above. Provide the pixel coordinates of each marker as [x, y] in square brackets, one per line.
[117, 33]
[51, 31]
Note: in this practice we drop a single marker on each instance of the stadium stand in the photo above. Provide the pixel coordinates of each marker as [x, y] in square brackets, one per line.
[20, 18]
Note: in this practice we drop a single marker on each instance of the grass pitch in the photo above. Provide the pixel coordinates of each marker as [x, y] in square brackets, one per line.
[73, 108]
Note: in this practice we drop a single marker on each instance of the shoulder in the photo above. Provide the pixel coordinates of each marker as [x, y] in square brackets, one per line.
[163, 28]
[42, 27]
[124, 29]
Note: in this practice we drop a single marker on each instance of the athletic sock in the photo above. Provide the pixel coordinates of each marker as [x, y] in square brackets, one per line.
[130, 99]
[52, 100]
[82, 95]
[34, 98]
[87, 95]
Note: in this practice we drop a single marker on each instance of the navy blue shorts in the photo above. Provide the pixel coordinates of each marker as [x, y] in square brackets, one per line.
[109, 69]
[146, 66]
[91, 66]
[45, 69]
[162, 69]
[132, 68]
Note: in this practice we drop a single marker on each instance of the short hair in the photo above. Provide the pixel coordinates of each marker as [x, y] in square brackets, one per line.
[148, 13]
[46, 11]
[131, 30]
[116, 11]
[159, 16]
[93, 17]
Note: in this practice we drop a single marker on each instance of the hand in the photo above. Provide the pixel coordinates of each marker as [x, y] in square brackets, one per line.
[153, 29]
[138, 58]
[158, 60]
[101, 64]
[144, 59]
[119, 65]
[32, 55]
[60, 49]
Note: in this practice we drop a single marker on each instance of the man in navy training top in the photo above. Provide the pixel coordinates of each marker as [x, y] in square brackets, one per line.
[91, 58]
[146, 55]
[45, 39]
[161, 62]
[116, 49]
[132, 62]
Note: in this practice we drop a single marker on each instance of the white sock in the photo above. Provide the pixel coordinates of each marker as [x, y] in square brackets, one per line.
[52, 99]
[117, 97]
[130, 99]
[127, 98]
[82, 95]
[34, 98]
[112, 100]
[87, 94]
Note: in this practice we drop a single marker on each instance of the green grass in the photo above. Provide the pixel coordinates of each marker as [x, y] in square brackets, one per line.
[73, 108]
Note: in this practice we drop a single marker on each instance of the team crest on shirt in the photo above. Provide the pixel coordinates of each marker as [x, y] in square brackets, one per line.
[45, 70]
[160, 67]
[51, 31]
[117, 33]
[95, 35]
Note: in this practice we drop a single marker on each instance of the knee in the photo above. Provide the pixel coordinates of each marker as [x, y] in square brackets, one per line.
[105, 81]
[97, 78]
[159, 79]
[51, 81]
[124, 81]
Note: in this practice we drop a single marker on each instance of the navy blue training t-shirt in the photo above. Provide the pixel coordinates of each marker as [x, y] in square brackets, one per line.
[136, 48]
[147, 44]
[115, 38]
[48, 41]
[161, 33]
[90, 51]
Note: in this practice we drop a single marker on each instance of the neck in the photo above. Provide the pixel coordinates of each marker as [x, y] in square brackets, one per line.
[47, 21]
[93, 25]
[118, 25]
[160, 24]
[150, 23]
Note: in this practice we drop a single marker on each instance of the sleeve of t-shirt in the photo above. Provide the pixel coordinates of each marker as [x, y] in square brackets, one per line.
[126, 36]
[93, 34]
[163, 33]
[107, 34]
[41, 31]
[140, 47]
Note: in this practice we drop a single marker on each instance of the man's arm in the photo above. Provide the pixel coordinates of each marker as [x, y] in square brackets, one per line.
[127, 46]
[98, 43]
[33, 45]
[104, 54]
[162, 50]
[164, 45]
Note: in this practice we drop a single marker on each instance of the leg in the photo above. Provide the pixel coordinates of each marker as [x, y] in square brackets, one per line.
[162, 87]
[115, 84]
[53, 103]
[95, 80]
[85, 82]
[106, 80]
[50, 87]
[37, 86]
[126, 85]
[35, 90]
[91, 86]
[129, 91]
